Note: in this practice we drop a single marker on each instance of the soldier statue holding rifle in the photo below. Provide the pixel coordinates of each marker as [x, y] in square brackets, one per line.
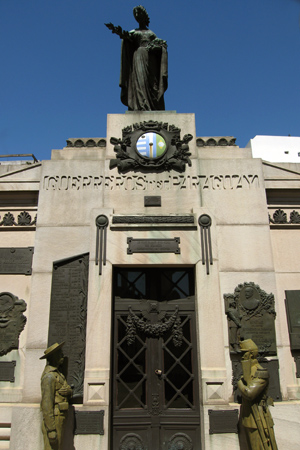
[255, 414]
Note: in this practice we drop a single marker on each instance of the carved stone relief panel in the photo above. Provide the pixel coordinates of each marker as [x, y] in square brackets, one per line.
[251, 315]
[12, 321]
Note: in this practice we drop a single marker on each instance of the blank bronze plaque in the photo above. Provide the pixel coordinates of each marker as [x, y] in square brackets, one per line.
[89, 422]
[16, 260]
[223, 421]
[292, 304]
[7, 371]
[181, 220]
[153, 200]
[153, 245]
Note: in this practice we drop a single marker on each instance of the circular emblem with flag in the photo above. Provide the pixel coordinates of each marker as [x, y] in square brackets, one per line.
[151, 145]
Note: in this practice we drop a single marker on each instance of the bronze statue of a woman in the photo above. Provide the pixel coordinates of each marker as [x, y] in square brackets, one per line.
[144, 65]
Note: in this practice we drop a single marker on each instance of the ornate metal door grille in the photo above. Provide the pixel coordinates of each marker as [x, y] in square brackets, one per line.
[155, 386]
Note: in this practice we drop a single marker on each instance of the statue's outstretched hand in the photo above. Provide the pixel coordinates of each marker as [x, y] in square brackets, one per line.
[110, 26]
[117, 30]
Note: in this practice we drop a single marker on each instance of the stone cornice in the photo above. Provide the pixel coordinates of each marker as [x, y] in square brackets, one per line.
[86, 142]
[215, 141]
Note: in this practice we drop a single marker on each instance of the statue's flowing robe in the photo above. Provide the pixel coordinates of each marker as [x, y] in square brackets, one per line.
[144, 72]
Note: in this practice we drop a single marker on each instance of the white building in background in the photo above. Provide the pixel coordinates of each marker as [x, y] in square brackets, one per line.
[276, 148]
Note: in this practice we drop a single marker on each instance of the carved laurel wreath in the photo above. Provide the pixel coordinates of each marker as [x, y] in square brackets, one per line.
[153, 330]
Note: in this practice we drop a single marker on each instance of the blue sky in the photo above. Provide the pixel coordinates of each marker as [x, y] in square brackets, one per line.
[234, 63]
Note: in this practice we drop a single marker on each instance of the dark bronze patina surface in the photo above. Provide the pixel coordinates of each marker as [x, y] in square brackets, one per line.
[56, 394]
[152, 200]
[292, 303]
[16, 260]
[12, 321]
[7, 371]
[256, 418]
[152, 219]
[144, 65]
[101, 224]
[206, 247]
[89, 422]
[175, 156]
[271, 365]
[293, 315]
[153, 245]
[223, 421]
[68, 315]
[251, 315]
[155, 402]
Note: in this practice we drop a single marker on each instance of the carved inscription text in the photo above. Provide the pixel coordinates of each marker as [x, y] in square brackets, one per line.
[68, 315]
[146, 182]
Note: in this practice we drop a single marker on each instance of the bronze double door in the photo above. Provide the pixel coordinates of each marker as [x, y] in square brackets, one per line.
[155, 384]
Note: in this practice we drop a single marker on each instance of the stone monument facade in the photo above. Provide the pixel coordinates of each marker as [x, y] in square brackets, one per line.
[139, 237]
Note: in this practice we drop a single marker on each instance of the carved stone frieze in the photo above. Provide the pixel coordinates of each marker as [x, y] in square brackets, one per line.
[24, 219]
[12, 321]
[213, 141]
[280, 217]
[152, 146]
[86, 142]
[251, 315]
